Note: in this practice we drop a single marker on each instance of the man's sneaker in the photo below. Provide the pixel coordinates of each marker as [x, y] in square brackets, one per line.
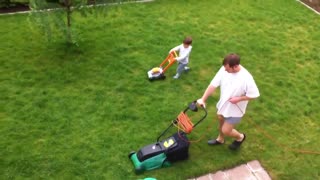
[176, 76]
[186, 68]
[214, 142]
[236, 144]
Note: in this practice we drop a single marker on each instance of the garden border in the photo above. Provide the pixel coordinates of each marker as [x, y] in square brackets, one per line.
[308, 7]
[87, 6]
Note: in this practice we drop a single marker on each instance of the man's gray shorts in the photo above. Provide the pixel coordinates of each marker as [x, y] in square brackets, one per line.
[232, 120]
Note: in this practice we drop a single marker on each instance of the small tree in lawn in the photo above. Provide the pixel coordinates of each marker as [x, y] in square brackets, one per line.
[60, 19]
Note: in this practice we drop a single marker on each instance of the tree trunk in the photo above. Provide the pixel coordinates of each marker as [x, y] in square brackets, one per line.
[68, 5]
[91, 2]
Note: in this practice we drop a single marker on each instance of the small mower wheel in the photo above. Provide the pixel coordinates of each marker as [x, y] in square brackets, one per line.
[131, 153]
[165, 163]
[139, 170]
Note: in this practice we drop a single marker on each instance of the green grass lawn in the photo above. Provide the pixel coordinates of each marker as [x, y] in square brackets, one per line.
[76, 113]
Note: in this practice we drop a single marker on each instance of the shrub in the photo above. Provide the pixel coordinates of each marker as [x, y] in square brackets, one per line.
[4, 3]
[10, 3]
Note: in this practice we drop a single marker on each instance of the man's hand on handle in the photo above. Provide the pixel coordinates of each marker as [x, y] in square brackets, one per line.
[201, 103]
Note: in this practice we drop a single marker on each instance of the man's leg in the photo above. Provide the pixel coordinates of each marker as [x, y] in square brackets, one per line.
[228, 130]
[221, 122]
[220, 138]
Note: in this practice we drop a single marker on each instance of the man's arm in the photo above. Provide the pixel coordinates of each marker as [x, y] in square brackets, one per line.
[235, 100]
[202, 101]
[215, 83]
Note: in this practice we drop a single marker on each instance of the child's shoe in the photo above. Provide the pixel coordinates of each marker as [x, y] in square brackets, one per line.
[176, 76]
[186, 68]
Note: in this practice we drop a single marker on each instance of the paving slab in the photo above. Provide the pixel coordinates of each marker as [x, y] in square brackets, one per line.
[219, 175]
[241, 172]
[250, 171]
[204, 177]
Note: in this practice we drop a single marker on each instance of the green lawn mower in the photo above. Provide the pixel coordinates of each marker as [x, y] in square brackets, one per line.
[171, 149]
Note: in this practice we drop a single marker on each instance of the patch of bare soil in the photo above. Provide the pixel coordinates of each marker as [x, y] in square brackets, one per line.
[314, 4]
[18, 7]
[14, 8]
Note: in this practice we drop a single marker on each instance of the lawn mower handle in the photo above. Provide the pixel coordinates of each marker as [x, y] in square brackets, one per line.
[192, 107]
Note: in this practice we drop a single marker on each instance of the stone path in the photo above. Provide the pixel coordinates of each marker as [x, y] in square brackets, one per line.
[250, 171]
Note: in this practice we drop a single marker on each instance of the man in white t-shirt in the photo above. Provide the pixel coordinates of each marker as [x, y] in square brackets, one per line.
[237, 87]
[184, 50]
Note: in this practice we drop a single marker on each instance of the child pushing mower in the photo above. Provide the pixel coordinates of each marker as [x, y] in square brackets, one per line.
[184, 50]
[180, 54]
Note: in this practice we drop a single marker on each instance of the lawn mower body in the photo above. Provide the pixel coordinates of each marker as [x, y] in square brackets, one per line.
[154, 162]
[161, 154]
[164, 152]
[158, 72]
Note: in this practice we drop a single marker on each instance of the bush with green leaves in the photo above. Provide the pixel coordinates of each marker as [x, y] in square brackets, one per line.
[9, 3]
[55, 22]
[4, 3]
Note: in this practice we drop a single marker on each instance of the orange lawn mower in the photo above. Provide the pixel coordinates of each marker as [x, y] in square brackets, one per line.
[158, 72]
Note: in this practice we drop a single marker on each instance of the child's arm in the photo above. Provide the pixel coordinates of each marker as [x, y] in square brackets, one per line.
[183, 55]
[175, 49]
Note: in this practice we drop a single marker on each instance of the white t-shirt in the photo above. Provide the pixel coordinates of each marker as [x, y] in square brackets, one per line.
[183, 53]
[232, 85]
